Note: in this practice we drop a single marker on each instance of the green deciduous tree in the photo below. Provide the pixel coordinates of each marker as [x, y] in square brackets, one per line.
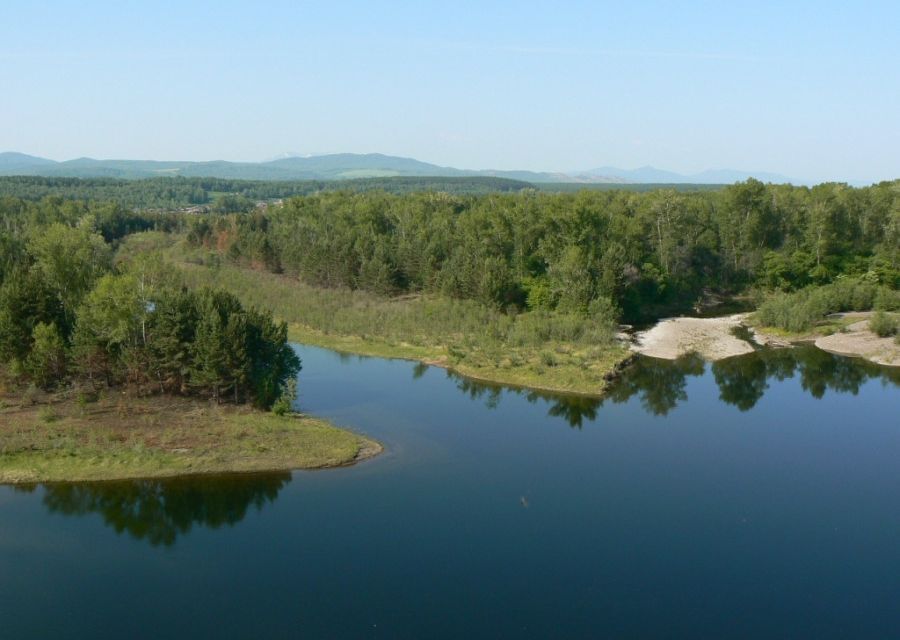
[70, 259]
[46, 363]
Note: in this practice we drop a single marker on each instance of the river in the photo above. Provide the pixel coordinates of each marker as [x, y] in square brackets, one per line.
[757, 497]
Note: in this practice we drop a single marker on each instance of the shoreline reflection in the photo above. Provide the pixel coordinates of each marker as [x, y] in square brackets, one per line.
[158, 511]
[661, 385]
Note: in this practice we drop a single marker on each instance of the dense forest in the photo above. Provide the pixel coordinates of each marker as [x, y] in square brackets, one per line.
[635, 255]
[71, 312]
[228, 196]
[640, 187]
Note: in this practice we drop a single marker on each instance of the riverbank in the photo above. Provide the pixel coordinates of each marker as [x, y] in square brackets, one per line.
[845, 334]
[562, 369]
[526, 350]
[475, 342]
[858, 340]
[51, 439]
[714, 339]
[830, 325]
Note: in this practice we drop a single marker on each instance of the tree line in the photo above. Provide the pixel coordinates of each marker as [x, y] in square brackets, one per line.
[70, 312]
[641, 254]
[170, 193]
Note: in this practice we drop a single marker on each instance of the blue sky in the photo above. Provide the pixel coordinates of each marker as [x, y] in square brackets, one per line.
[807, 89]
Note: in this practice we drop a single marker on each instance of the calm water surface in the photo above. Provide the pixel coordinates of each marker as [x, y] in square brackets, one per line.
[754, 498]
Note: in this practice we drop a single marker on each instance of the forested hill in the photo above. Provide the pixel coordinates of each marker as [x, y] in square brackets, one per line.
[350, 166]
[338, 166]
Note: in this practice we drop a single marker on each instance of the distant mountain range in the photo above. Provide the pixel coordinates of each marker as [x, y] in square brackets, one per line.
[660, 176]
[345, 166]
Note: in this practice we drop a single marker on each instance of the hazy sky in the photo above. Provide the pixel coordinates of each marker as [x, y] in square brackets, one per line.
[807, 89]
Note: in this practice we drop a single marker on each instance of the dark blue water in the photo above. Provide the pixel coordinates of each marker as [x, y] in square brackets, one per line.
[756, 498]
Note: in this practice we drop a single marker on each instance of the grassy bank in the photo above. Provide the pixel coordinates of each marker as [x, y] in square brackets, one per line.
[534, 350]
[50, 439]
[564, 369]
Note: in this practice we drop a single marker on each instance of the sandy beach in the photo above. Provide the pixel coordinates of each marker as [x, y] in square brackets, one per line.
[857, 340]
[712, 338]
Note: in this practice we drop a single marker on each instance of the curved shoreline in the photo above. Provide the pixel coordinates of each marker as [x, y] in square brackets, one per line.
[261, 442]
[853, 339]
[858, 341]
[123, 438]
[519, 377]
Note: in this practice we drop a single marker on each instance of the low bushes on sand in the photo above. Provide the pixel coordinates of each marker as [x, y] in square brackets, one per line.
[884, 325]
[800, 311]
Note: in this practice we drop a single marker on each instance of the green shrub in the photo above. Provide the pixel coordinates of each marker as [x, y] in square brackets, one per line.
[801, 310]
[285, 402]
[30, 396]
[883, 325]
[281, 407]
[792, 312]
[548, 359]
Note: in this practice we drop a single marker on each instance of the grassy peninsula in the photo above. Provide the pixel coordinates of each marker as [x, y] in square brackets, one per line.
[110, 368]
[117, 436]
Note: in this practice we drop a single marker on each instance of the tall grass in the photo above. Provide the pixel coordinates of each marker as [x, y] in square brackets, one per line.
[417, 320]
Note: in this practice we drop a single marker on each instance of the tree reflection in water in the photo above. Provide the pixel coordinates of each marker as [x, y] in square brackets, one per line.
[158, 511]
[742, 380]
[660, 384]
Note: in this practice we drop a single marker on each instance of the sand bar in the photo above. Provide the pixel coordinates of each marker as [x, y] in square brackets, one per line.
[711, 338]
[857, 340]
